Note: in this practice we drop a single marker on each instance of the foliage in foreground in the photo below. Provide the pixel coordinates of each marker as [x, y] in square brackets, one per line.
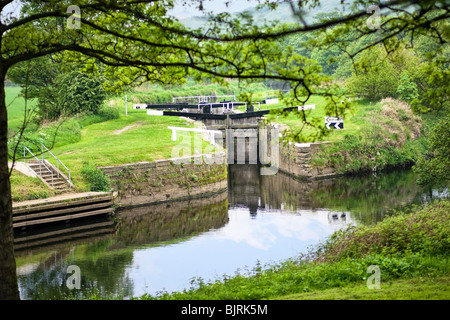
[406, 245]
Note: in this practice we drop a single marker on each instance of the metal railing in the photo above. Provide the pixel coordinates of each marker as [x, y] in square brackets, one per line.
[41, 162]
[57, 161]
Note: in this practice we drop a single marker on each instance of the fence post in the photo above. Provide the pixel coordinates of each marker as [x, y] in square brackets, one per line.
[174, 135]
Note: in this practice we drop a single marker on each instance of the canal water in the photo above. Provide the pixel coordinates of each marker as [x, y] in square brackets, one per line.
[259, 221]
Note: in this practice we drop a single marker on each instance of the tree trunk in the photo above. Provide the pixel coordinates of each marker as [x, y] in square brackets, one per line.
[8, 278]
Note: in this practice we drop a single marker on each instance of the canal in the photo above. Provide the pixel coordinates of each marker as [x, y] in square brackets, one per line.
[260, 220]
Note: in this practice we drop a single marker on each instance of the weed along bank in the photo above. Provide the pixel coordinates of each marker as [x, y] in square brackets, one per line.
[168, 180]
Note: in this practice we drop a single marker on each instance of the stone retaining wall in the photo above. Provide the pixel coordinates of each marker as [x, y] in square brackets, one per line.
[295, 160]
[167, 180]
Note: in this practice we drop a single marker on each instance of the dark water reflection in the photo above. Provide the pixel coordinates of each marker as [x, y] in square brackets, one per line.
[261, 219]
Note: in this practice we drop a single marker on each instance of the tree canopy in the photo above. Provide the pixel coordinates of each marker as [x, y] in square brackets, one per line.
[139, 41]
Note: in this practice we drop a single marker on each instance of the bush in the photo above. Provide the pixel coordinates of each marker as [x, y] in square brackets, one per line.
[77, 92]
[435, 167]
[375, 77]
[97, 180]
[407, 90]
[425, 230]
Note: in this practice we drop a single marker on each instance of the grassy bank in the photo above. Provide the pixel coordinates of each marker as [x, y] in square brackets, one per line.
[434, 288]
[108, 138]
[128, 139]
[389, 136]
[412, 250]
[353, 123]
[27, 188]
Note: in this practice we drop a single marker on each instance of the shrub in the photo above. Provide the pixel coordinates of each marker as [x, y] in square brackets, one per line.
[97, 180]
[375, 77]
[407, 90]
[435, 167]
[425, 230]
[77, 92]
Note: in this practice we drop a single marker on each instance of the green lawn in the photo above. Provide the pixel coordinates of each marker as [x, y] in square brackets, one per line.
[145, 138]
[15, 106]
[420, 288]
[353, 123]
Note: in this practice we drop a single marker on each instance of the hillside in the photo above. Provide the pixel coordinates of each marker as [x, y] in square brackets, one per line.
[282, 13]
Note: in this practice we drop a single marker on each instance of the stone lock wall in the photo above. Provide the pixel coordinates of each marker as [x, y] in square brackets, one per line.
[167, 180]
[295, 160]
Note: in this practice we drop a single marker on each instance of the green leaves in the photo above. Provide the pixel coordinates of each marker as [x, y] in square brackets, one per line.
[97, 180]
[139, 42]
[423, 230]
[407, 90]
[435, 167]
[374, 76]
[78, 93]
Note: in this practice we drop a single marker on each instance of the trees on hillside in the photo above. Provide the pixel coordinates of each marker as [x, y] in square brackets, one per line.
[373, 63]
[140, 41]
[435, 167]
[406, 89]
[60, 86]
[374, 76]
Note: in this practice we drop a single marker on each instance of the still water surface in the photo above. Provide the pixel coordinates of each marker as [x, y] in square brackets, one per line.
[260, 220]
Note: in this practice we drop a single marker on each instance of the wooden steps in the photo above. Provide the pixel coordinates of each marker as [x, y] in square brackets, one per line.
[62, 208]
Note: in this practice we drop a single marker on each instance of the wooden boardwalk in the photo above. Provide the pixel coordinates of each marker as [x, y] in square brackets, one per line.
[62, 208]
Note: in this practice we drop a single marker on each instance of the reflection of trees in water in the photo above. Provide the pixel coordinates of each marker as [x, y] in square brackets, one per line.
[169, 221]
[369, 198]
[100, 274]
[103, 263]
[55, 247]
